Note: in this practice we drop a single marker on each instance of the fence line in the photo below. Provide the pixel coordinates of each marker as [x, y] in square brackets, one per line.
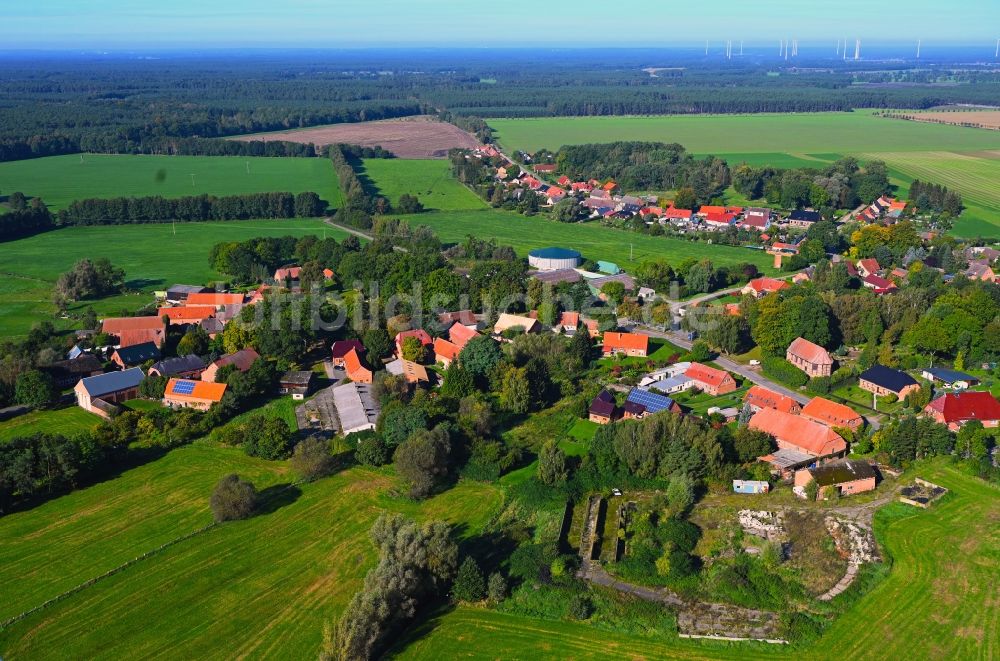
[111, 572]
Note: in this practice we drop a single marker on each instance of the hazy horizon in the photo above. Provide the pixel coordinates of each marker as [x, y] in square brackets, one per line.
[228, 24]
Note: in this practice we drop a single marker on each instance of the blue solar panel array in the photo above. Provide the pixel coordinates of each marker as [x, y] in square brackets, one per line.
[184, 387]
[654, 403]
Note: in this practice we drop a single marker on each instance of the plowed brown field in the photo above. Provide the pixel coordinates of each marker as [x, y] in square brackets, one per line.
[408, 137]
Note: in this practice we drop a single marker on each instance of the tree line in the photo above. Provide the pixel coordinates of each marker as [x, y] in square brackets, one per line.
[151, 209]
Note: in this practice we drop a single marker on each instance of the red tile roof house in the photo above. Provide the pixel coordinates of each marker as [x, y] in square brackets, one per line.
[214, 298]
[287, 273]
[356, 371]
[242, 359]
[759, 397]
[707, 209]
[629, 344]
[680, 215]
[955, 409]
[709, 379]
[719, 220]
[136, 330]
[811, 358]
[757, 218]
[199, 395]
[563, 181]
[868, 267]
[464, 317]
[569, 321]
[188, 314]
[445, 352]
[545, 167]
[460, 335]
[832, 414]
[879, 284]
[801, 442]
[761, 287]
[340, 348]
[603, 409]
[420, 334]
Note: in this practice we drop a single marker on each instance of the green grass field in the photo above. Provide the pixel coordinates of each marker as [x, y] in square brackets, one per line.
[938, 601]
[68, 421]
[808, 133]
[429, 180]
[595, 241]
[154, 256]
[262, 587]
[61, 179]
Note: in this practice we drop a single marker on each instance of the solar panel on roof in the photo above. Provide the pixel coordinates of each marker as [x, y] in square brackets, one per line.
[653, 402]
[184, 387]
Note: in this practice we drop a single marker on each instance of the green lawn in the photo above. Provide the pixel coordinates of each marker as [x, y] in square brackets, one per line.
[595, 241]
[701, 402]
[796, 134]
[154, 256]
[430, 180]
[68, 421]
[61, 179]
[262, 587]
[938, 601]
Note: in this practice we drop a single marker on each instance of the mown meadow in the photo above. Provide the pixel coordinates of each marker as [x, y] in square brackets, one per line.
[61, 179]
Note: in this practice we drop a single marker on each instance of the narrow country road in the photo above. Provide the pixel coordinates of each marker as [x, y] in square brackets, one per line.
[752, 375]
[358, 233]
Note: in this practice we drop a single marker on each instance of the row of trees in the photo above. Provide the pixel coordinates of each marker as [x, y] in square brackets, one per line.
[24, 218]
[193, 208]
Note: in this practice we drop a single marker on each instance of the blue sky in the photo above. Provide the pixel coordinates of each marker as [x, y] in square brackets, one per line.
[346, 23]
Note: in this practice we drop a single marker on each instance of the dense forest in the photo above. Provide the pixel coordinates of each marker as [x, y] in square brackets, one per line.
[177, 104]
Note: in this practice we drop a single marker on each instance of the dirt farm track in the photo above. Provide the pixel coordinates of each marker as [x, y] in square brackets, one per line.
[408, 137]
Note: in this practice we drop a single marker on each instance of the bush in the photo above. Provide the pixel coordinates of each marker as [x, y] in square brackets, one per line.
[780, 369]
[268, 438]
[311, 458]
[233, 498]
[819, 385]
[581, 607]
[372, 451]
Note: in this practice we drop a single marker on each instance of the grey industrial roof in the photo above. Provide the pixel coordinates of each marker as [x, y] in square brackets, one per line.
[557, 276]
[171, 366]
[949, 376]
[297, 377]
[355, 407]
[138, 353]
[104, 384]
[786, 458]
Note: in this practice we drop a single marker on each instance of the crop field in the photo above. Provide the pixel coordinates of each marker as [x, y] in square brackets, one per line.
[407, 137]
[68, 421]
[808, 133]
[61, 179]
[264, 586]
[938, 601]
[974, 175]
[980, 118]
[429, 180]
[154, 256]
[624, 248]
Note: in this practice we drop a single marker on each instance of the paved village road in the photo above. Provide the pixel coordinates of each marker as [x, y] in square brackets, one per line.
[752, 375]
